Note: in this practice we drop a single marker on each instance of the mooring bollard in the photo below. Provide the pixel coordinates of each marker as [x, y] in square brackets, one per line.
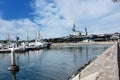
[13, 66]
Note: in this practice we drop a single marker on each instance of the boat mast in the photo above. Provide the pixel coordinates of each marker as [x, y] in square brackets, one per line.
[86, 33]
[8, 38]
[27, 37]
[38, 37]
[73, 29]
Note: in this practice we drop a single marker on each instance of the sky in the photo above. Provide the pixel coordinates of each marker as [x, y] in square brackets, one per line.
[55, 18]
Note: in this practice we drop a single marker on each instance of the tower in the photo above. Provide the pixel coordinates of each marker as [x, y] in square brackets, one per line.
[86, 33]
[73, 29]
[7, 36]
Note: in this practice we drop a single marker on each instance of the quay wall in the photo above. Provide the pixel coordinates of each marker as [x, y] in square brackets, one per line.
[104, 67]
[79, 43]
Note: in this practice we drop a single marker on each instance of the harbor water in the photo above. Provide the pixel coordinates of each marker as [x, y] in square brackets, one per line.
[57, 63]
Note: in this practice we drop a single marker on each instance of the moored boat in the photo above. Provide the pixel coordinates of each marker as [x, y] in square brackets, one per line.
[16, 50]
[38, 44]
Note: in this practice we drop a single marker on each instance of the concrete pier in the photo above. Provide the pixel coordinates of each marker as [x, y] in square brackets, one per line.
[78, 44]
[119, 58]
[104, 67]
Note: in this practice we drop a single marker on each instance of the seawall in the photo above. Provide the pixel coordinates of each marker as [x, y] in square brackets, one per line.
[104, 67]
[80, 43]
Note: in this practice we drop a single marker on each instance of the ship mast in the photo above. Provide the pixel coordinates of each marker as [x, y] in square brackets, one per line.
[73, 29]
[38, 37]
[86, 33]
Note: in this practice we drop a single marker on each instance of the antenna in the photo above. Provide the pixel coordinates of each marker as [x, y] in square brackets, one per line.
[7, 36]
[73, 29]
[86, 33]
[27, 36]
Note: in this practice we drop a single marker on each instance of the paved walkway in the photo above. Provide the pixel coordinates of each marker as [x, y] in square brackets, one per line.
[106, 66]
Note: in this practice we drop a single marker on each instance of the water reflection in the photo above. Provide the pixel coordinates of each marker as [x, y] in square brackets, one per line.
[86, 51]
[54, 64]
[13, 73]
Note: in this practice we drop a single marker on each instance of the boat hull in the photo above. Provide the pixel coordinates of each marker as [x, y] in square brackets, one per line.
[15, 50]
[38, 47]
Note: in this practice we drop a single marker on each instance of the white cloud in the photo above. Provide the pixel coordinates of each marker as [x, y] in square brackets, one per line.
[111, 19]
[79, 10]
[56, 18]
[86, 12]
[18, 28]
[101, 29]
[53, 24]
[108, 24]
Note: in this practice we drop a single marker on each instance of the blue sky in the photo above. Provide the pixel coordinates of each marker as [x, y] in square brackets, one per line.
[55, 18]
[12, 9]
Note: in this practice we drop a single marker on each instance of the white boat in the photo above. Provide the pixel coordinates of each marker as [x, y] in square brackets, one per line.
[1, 46]
[38, 44]
[8, 48]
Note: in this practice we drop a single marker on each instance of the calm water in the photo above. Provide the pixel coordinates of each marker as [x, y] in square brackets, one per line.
[53, 64]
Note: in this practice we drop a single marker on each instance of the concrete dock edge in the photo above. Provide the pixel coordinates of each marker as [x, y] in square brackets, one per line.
[104, 67]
